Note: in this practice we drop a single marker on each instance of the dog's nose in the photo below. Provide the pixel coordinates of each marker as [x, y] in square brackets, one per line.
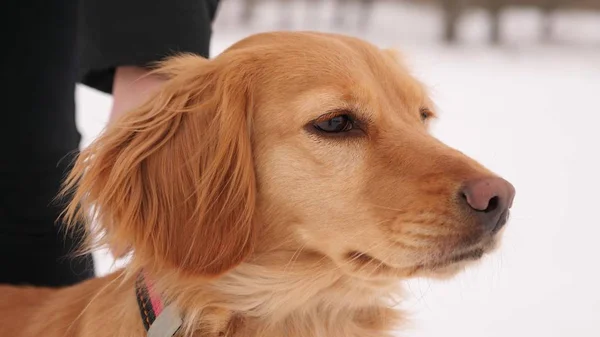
[490, 199]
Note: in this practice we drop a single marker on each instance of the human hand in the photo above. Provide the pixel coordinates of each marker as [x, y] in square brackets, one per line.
[132, 86]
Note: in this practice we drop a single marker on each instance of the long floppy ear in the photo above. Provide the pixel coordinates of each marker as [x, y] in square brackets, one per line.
[174, 179]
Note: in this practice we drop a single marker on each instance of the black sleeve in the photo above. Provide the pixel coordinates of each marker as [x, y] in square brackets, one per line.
[138, 32]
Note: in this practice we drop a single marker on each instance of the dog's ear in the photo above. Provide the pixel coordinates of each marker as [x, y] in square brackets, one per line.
[174, 179]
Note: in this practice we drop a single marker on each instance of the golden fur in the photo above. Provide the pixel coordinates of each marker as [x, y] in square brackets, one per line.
[248, 219]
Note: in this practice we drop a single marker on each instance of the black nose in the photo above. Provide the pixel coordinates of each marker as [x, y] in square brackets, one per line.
[489, 199]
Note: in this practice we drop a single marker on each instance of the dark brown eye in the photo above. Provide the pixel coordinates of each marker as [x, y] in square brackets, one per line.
[337, 124]
[425, 114]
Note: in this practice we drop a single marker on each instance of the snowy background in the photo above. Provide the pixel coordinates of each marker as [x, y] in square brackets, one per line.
[530, 112]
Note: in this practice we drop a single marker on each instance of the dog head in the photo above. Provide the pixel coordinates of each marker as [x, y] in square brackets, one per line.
[316, 140]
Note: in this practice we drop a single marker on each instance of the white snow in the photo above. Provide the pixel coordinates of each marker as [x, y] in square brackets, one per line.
[526, 110]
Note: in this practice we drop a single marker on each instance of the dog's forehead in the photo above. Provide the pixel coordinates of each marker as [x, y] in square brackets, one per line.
[308, 52]
[284, 40]
[340, 68]
[321, 54]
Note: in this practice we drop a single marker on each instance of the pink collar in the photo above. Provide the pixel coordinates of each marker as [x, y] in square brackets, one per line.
[159, 320]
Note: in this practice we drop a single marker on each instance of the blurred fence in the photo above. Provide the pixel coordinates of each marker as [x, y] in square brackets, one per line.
[451, 12]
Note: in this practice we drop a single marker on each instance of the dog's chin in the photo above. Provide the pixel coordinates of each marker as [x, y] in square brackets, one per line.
[376, 272]
[371, 269]
[450, 265]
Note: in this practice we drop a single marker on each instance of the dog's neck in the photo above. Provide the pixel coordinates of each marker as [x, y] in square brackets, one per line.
[308, 296]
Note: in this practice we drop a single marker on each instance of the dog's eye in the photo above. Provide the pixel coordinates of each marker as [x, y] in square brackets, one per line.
[425, 114]
[337, 124]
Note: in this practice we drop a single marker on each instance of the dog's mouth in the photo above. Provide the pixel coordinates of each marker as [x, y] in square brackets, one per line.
[366, 264]
[452, 263]
[471, 255]
[361, 259]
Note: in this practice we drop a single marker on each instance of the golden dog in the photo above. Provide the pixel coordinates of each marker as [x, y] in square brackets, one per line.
[283, 188]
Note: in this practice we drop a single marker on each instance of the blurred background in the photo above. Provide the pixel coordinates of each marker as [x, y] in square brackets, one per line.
[517, 83]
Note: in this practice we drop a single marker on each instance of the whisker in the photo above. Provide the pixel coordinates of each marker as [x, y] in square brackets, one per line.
[379, 265]
[294, 257]
[358, 256]
[358, 233]
[377, 245]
